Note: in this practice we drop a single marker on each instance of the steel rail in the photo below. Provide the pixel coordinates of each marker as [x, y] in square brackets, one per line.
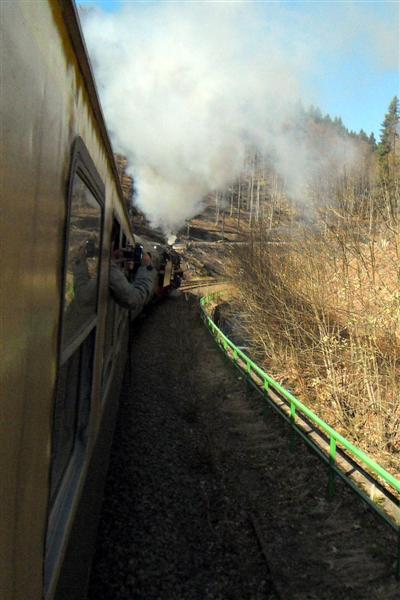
[300, 416]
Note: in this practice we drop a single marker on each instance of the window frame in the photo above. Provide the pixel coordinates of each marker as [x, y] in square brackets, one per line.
[83, 166]
[62, 500]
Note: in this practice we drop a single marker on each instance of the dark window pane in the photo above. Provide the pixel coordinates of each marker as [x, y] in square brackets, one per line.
[85, 388]
[83, 257]
[65, 417]
[72, 408]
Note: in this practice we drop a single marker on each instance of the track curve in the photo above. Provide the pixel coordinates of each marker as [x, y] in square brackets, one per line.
[204, 500]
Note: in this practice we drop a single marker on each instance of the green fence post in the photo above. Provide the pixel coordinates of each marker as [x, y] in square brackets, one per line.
[332, 456]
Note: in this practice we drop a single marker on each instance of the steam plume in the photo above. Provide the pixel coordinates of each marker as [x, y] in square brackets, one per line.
[186, 88]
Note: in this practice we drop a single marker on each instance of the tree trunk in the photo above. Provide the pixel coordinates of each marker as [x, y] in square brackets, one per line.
[258, 201]
[239, 204]
[251, 198]
[216, 208]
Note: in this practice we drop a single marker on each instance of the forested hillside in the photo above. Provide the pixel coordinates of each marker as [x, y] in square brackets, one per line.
[318, 286]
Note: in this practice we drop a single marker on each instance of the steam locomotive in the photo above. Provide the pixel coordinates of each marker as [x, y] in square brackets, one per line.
[61, 362]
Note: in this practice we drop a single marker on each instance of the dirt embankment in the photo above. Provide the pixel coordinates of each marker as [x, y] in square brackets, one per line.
[204, 500]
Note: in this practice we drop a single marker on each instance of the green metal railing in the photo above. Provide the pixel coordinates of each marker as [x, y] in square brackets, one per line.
[296, 407]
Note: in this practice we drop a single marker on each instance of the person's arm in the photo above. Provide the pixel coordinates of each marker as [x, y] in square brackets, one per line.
[132, 295]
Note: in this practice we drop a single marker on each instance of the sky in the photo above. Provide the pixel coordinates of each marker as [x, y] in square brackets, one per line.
[353, 81]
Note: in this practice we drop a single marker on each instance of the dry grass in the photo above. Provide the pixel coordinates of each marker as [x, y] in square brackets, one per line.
[322, 313]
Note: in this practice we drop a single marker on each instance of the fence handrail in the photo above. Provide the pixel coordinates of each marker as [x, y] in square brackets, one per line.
[294, 402]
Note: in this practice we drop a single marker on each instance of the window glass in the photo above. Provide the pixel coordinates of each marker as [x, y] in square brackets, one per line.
[83, 259]
[65, 415]
[72, 408]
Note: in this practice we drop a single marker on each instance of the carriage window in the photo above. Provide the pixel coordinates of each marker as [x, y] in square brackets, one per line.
[79, 314]
[73, 394]
[83, 257]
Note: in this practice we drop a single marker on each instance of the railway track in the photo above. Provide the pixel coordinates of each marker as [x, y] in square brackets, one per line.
[172, 527]
[205, 497]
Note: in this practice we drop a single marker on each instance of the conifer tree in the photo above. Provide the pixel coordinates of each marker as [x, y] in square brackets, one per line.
[389, 145]
[363, 136]
[372, 141]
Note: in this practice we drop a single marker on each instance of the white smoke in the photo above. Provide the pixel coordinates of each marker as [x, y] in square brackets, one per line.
[186, 88]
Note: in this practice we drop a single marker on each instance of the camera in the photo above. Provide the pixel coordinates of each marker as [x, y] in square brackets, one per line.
[133, 253]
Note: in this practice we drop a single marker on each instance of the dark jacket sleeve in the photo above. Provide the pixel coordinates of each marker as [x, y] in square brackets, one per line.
[132, 295]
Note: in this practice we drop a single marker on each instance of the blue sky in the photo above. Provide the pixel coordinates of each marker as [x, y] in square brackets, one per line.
[354, 82]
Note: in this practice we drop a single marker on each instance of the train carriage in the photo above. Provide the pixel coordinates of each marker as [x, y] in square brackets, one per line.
[61, 364]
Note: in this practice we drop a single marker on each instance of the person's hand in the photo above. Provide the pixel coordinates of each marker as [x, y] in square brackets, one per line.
[117, 254]
[146, 260]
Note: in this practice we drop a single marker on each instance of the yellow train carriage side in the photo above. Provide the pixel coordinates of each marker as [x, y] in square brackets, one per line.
[48, 101]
